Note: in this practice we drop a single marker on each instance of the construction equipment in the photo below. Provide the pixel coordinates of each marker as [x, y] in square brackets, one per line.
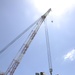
[41, 73]
[16, 61]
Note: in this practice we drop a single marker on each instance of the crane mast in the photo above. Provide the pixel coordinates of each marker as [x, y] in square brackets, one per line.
[16, 61]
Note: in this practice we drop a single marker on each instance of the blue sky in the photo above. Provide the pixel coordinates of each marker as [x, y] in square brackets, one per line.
[17, 15]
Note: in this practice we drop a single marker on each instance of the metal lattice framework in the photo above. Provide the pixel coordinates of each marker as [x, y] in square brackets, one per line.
[16, 61]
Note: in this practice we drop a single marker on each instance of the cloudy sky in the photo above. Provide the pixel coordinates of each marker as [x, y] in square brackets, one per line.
[17, 15]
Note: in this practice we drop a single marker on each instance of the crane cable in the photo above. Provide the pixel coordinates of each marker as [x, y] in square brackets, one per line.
[9, 44]
[48, 48]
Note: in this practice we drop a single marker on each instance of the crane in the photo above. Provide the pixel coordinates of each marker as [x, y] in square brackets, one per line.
[16, 61]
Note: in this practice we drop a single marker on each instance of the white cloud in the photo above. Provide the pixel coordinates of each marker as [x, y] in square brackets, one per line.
[70, 55]
[59, 7]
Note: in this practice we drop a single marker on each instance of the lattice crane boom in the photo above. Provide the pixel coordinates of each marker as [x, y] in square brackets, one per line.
[16, 61]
